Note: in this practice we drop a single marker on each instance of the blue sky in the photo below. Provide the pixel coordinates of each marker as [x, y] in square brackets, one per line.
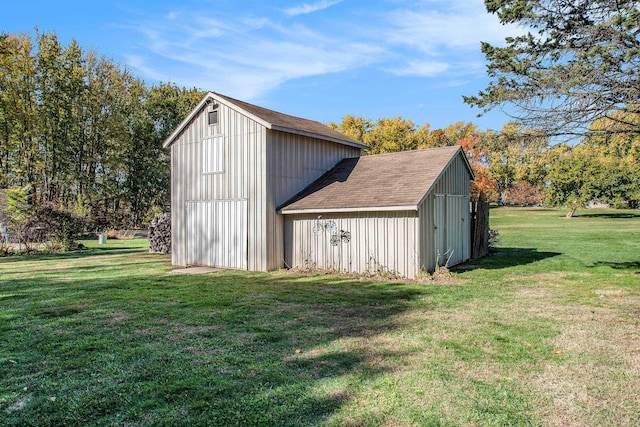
[318, 59]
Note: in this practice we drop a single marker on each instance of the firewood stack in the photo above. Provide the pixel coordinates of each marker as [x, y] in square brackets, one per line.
[160, 234]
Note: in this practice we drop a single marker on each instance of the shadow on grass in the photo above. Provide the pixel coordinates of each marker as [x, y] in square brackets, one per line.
[632, 265]
[80, 253]
[613, 215]
[505, 258]
[221, 349]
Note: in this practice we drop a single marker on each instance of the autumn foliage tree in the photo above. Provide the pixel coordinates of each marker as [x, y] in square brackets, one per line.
[522, 193]
[483, 187]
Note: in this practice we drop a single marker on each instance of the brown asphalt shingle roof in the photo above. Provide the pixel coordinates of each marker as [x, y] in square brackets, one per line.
[272, 120]
[379, 181]
[285, 122]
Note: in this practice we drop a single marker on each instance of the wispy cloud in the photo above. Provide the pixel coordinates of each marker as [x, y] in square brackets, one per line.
[310, 7]
[431, 31]
[245, 58]
[248, 54]
[422, 69]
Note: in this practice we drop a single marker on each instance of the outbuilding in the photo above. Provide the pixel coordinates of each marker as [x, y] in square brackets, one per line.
[232, 165]
[398, 213]
[254, 189]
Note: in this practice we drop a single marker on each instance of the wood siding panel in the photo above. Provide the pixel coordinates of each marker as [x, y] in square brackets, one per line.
[243, 178]
[379, 241]
[217, 233]
[293, 162]
[454, 181]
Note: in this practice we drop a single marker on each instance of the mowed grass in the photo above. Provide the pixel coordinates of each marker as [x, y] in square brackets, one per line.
[543, 332]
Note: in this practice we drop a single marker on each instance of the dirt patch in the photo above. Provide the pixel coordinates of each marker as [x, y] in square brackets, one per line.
[195, 270]
[595, 379]
[18, 404]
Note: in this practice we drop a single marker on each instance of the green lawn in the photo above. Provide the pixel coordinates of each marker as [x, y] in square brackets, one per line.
[543, 332]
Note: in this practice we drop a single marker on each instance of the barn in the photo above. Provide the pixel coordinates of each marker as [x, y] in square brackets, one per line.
[232, 165]
[398, 213]
[254, 189]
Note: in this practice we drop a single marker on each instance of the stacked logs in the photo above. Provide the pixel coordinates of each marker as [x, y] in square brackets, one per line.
[160, 234]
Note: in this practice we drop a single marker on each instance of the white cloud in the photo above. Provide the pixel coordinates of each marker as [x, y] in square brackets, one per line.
[423, 69]
[246, 58]
[432, 30]
[310, 7]
[247, 54]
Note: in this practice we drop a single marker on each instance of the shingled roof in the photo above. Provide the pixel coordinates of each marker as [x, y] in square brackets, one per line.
[397, 181]
[270, 119]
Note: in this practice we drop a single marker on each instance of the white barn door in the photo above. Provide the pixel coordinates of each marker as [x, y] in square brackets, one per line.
[217, 233]
[452, 234]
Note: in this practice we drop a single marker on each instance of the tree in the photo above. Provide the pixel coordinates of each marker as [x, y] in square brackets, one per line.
[524, 194]
[392, 135]
[579, 63]
[85, 132]
[483, 187]
[355, 127]
[19, 158]
[622, 152]
[516, 155]
[17, 211]
[583, 173]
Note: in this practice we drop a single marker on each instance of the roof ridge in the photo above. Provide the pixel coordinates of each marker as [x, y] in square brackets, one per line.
[271, 119]
[417, 150]
[290, 123]
[240, 102]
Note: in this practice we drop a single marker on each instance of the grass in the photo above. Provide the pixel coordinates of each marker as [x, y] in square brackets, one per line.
[542, 332]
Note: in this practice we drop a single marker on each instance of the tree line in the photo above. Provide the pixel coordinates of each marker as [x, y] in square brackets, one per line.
[521, 166]
[83, 133]
[574, 74]
[79, 132]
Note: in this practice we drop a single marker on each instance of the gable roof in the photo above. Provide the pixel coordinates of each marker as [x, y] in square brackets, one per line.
[270, 119]
[397, 181]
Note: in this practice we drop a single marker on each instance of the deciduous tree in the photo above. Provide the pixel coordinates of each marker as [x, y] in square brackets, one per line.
[483, 186]
[516, 155]
[83, 131]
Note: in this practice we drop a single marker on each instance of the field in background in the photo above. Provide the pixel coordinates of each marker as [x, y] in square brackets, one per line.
[543, 332]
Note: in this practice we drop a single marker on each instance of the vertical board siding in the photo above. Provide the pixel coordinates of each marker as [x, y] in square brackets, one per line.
[452, 236]
[294, 162]
[213, 158]
[263, 167]
[454, 181]
[380, 242]
[217, 233]
[242, 177]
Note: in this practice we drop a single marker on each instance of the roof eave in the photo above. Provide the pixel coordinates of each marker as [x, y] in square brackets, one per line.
[459, 152]
[318, 136]
[184, 123]
[285, 211]
[208, 97]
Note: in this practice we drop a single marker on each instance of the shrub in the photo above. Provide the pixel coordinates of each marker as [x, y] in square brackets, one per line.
[523, 193]
[61, 227]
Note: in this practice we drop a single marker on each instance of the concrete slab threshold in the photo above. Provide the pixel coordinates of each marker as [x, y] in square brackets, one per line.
[195, 270]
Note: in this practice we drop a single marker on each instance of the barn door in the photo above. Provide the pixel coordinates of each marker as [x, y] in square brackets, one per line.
[217, 233]
[452, 229]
